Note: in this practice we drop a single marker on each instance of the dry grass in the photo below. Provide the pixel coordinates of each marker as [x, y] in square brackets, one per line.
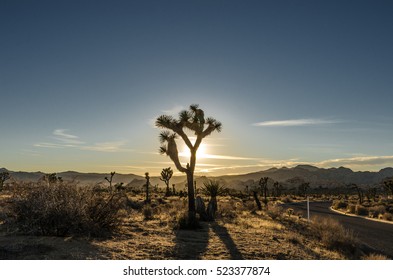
[374, 256]
[333, 235]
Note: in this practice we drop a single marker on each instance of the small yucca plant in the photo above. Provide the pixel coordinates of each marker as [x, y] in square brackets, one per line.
[213, 188]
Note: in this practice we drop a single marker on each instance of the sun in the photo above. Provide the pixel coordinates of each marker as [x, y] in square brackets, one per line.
[201, 152]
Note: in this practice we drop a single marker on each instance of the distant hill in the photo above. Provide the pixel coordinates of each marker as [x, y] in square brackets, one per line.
[330, 177]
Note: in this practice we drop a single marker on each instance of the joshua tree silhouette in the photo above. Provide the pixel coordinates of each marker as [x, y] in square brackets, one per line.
[193, 120]
[388, 185]
[147, 177]
[4, 176]
[166, 175]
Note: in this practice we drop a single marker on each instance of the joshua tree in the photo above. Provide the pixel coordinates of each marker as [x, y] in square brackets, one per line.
[147, 200]
[4, 176]
[166, 175]
[110, 180]
[264, 189]
[173, 189]
[388, 185]
[51, 179]
[303, 187]
[193, 120]
[359, 191]
[277, 188]
[255, 194]
[371, 193]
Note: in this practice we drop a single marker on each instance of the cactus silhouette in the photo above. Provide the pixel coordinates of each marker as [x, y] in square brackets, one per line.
[51, 179]
[277, 188]
[358, 190]
[388, 185]
[4, 176]
[166, 175]
[193, 120]
[110, 180]
[147, 200]
[264, 188]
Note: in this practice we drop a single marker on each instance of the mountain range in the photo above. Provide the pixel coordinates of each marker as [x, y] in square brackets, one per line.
[330, 177]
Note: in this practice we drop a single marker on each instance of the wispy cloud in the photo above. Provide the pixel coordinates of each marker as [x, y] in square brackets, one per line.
[174, 110]
[220, 157]
[63, 139]
[359, 161]
[296, 122]
[209, 156]
[115, 146]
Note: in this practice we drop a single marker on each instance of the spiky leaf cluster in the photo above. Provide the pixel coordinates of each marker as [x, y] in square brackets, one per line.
[193, 120]
[213, 188]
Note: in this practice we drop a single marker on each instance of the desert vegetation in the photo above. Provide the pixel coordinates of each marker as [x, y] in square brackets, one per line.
[372, 202]
[47, 221]
[381, 208]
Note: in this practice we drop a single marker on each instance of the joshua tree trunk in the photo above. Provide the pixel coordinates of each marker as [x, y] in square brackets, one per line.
[190, 186]
[257, 200]
[191, 194]
[168, 191]
[147, 187]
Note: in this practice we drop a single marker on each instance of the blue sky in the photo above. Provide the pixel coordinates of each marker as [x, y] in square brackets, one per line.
[293, 82]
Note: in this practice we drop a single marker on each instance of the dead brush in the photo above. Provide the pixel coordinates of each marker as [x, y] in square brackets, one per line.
[333, 235]
[228, 211]
[275, 212]
[63, 209]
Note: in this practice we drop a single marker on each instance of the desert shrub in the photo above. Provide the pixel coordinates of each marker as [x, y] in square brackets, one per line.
[387, 216]
[375, 211]
[183, 222]
[333, 235]
[389, 208]
[66, 210]
[287, 199]
[361, 210]
[147, 212]
[228, 211]
[366, 204]
[274, 212]
[249, 205]
[339, 204]
[351, 208]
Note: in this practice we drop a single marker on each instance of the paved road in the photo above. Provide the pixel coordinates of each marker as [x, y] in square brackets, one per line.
[376, 235]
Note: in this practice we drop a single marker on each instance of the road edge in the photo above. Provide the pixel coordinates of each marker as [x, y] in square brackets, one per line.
[362, 217]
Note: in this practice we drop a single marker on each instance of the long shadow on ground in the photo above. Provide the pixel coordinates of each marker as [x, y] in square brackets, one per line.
[22, 247]
[226, 238]
[191, 244]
